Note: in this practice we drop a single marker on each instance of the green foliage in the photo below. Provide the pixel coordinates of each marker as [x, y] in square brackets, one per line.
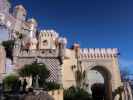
[9, 47]
[52, 86]
[35, 70]
[75, 93]
[9, 81]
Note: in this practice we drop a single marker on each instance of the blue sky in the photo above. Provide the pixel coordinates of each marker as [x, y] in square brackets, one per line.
[97, 23]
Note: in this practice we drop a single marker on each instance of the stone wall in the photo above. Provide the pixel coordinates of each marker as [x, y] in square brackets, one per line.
[48, 57]
[2, 61]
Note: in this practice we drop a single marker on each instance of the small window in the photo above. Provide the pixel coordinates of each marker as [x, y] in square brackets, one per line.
[45, 43]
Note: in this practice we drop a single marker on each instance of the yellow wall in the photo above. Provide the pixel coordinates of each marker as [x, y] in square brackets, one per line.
[68, 77]
[2, 60]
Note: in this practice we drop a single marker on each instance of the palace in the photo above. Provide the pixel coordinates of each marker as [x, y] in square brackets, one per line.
[47, 47]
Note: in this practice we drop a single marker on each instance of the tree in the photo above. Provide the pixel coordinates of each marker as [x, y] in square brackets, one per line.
[9, 45]
[38, 72]
[9, 81]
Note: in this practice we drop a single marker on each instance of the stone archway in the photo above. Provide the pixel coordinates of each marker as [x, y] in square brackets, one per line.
[107, 80]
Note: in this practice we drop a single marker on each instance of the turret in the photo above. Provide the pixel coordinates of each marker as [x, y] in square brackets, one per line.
[76, 48]
[48, 39]
[62, 46]
[32, 23]
[4, 6]
[4, 12]
[19, 13]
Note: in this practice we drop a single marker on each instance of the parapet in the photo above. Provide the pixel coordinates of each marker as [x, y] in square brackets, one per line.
[37, 53]
[95, 53]
[49, 33]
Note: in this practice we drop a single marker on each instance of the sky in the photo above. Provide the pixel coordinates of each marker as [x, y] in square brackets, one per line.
[93, 23]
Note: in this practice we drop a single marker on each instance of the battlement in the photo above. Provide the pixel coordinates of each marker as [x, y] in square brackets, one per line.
[95, 53]
[49, 33]
[38, 53]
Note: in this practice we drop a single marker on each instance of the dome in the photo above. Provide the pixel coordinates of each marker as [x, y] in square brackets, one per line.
[32, 21]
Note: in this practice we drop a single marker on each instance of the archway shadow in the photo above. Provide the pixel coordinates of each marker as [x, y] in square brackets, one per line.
[104, 90]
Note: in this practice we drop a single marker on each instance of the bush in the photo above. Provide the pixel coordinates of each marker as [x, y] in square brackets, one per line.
[52, 86]
[74, 93]
[35, 70]
[9, 81]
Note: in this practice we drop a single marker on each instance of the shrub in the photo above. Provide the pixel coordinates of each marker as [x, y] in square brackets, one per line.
[52, 86]
[9, 81]
[74, 93]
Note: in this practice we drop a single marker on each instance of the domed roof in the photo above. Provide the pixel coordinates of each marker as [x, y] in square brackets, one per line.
[32, 21]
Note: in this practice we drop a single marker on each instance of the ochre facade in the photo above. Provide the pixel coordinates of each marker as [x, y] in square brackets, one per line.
[2, 61]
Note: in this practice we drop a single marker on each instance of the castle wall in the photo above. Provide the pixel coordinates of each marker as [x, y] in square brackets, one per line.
[2, 61]
[90, 58]
[67, 72]
[48, 57]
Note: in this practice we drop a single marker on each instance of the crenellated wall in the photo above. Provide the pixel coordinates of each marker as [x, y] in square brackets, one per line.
[98, 53]
[47, 39]
[103, 60]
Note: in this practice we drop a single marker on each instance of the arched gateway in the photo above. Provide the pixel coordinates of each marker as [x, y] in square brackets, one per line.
[106, 74]
[104, 61]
